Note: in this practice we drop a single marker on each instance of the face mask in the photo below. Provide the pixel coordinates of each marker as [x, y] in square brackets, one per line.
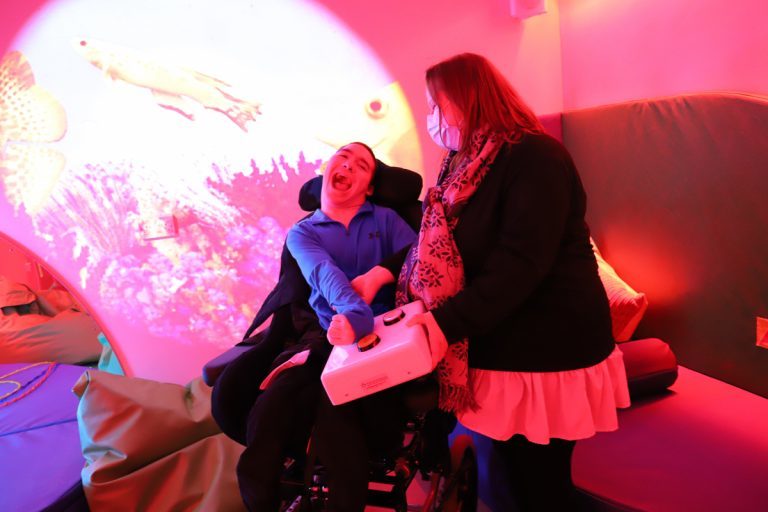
[448, 137]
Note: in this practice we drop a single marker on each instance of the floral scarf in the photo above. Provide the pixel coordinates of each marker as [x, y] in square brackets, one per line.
[434, 271]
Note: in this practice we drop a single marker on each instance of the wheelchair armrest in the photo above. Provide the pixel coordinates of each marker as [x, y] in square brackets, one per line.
[215, 366]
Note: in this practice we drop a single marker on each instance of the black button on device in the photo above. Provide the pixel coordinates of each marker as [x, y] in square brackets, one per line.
[393, 317]
[368, 342]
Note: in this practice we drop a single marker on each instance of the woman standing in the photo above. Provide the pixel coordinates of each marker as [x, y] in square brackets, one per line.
[505, 267]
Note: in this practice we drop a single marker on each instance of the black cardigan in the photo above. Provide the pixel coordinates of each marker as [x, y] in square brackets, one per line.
[533, 300]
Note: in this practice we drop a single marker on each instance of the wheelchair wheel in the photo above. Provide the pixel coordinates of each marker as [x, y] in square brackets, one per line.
[460, 491]
[303, 503]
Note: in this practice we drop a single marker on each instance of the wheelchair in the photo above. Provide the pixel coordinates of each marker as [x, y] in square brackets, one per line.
[450, 472]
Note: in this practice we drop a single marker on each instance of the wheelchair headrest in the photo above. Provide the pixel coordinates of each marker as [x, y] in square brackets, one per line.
[393, 187]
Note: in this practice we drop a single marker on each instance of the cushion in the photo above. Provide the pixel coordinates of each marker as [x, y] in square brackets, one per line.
[627, 305]
[69, 337]
[651, 366]
[56, 300]
[40, 457]
[14, 294]
[153, 446]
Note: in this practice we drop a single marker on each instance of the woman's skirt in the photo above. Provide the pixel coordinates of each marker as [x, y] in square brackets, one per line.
[572, 404]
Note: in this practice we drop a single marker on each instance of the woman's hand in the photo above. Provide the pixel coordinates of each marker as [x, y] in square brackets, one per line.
[368, 285]
[340, 331]
[438, 344]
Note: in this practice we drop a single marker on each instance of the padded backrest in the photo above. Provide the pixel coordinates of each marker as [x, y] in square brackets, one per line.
[677, 194]
[553, 125]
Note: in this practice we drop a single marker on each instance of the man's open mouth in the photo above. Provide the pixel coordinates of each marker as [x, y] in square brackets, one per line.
[341, 182]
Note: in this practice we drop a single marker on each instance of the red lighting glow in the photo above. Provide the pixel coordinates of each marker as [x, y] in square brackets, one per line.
[762, 332]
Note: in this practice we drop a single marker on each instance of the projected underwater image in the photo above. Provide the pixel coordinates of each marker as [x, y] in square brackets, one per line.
[154, 158]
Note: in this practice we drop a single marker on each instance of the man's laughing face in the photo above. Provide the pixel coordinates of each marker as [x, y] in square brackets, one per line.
[348, 175]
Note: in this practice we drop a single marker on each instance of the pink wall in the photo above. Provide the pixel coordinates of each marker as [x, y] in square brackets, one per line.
[410, 36]
[618, 50]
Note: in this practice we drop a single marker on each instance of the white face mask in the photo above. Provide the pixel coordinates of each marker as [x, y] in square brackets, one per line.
[444, 135]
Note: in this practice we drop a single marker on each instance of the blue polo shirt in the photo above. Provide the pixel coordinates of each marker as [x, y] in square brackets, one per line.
[330, 255]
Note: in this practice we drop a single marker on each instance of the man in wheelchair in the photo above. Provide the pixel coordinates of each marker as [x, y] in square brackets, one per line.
[271, 396]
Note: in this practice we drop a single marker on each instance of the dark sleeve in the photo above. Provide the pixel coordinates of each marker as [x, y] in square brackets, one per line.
[395, 262]
[534, 209]
[400, 234]
[401, 237]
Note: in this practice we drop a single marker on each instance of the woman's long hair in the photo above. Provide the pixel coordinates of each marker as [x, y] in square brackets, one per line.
[483, 96]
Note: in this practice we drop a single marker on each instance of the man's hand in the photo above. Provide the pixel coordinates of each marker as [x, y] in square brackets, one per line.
[438, 344]
[368, 285]
[340, 331]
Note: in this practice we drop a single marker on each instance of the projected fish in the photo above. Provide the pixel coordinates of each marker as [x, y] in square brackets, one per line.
[172, 87]
[28, 115]
[382, 119]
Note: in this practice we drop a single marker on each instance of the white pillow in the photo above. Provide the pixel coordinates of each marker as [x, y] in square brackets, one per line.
[627, 305]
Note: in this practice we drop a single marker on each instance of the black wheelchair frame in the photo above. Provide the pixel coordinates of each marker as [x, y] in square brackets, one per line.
[452, 483]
